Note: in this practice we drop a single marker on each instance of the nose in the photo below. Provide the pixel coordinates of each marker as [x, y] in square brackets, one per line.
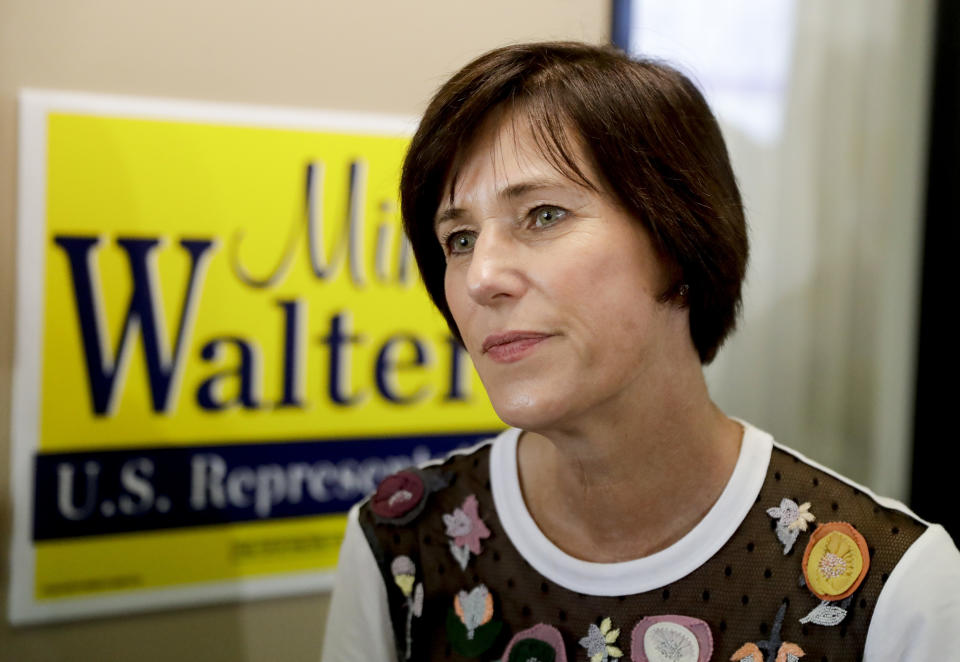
[495, 272]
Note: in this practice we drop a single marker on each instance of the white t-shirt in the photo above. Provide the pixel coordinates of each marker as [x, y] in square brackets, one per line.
[914, 618]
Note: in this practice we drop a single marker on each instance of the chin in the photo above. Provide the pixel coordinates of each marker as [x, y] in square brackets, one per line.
[525, 410]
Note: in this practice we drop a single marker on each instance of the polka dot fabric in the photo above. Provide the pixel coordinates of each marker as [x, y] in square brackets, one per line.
[737, 592]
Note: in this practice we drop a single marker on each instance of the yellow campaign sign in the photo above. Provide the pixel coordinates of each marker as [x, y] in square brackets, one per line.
[222, 344]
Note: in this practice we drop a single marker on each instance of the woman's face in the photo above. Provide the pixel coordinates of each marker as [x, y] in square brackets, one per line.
[553, 287]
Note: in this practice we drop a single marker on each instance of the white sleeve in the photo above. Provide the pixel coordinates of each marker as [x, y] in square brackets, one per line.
[358, 623]
[917, 616]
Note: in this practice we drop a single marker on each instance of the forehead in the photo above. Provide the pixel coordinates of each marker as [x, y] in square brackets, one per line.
[510, 147]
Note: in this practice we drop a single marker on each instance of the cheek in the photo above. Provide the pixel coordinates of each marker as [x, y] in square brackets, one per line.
[457, 301]
[451, 294]
[612, 296]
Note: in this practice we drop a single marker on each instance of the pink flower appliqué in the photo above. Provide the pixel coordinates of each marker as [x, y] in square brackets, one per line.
[467, 530]
[671, 638]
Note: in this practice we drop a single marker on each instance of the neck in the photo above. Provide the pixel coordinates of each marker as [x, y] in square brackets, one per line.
[632, 479]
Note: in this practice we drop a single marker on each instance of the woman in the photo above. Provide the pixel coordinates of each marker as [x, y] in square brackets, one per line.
[575, 217]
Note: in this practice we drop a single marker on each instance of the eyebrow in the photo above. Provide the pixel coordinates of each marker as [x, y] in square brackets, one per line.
[511, 192]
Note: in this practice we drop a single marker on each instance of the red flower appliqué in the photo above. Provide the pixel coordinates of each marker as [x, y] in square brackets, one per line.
[397, 495]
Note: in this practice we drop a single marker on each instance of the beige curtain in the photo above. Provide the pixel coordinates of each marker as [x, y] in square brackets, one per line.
[825, 354]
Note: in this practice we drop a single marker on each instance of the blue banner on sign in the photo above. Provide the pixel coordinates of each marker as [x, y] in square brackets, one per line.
[108, 492]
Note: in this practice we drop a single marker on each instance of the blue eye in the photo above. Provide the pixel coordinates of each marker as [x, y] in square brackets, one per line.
[461, 242]
[547, 215]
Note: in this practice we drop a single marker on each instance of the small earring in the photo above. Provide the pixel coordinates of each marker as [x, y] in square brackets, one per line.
[683, 290]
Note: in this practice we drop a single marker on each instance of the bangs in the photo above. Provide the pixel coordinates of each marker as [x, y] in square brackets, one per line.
[539, 113]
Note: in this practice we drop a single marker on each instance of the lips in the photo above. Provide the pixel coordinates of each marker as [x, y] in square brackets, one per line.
[513, 345]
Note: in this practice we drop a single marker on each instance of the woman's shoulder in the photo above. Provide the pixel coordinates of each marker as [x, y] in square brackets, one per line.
[911, 567]
[834, 497]
[418, 502]
[422, 520]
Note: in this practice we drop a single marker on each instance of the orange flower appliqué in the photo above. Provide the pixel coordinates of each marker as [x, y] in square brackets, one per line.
[747, 653]
[835, 561]
[789, 652]
[474, 608]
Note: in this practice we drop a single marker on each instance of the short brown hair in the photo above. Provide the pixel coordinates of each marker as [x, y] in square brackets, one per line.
[646, 131]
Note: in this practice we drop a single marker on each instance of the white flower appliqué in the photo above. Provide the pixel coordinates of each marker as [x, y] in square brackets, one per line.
[600, 641]
[670, 642]
[791, 520]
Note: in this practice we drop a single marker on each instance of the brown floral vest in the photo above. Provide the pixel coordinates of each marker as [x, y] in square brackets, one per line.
[745, 603]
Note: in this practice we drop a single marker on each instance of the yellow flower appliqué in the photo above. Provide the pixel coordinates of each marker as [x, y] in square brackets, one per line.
[835, 561]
